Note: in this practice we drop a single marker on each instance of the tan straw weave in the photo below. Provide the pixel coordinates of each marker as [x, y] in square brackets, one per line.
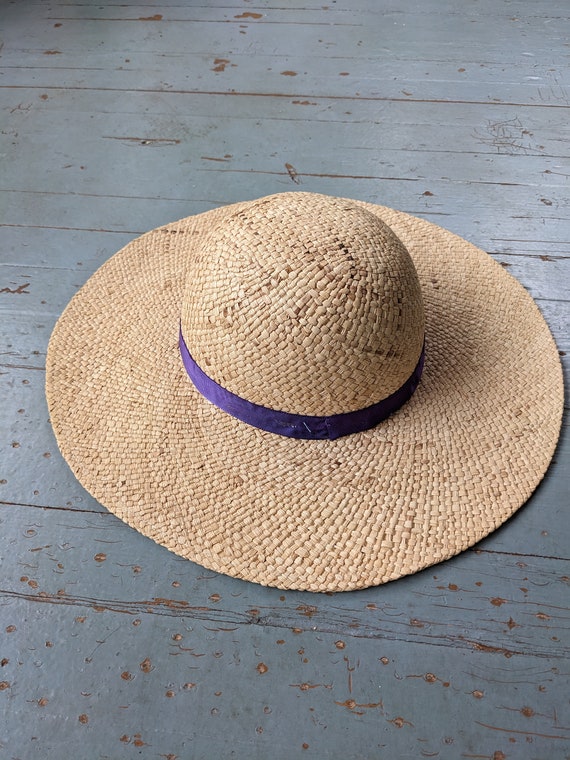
[316, 306]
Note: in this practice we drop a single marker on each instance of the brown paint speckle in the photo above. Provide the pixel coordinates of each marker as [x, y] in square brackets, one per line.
[220, 64]
[101, 557]
[400, 722]
[478, 694]
[52, 52]
[4, 685]
[340, 644]
[352, 704]
[126, 676]
[20, 290]
[84, 719]
[497, 601]
[146, 665]
[288, 73]
[261, 668]
[43, 702]
[487, 648]
[305, 686]
[249, 14]
[156, 17]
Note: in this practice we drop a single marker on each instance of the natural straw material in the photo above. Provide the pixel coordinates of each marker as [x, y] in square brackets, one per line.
[311, 305]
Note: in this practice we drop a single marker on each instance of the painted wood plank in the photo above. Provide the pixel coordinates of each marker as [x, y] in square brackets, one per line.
[282, 693]
[464, 121]
[169, 119]
[378, 80]
[539, 9]
[392, 31]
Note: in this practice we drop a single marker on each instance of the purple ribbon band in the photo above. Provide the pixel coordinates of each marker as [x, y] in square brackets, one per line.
[299, 425]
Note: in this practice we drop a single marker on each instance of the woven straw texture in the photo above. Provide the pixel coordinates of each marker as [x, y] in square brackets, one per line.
[311, 305]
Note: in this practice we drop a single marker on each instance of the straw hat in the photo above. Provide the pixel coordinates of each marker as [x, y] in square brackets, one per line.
[243, 386]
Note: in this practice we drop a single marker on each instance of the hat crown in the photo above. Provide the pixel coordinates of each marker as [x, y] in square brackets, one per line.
[306, 304]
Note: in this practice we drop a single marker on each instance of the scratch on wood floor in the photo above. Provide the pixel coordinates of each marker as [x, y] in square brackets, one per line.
[20, 290]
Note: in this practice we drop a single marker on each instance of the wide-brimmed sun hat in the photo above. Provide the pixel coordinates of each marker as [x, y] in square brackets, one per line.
[306, 392]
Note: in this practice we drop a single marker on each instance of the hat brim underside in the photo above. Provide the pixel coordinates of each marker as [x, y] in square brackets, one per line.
[440, 474]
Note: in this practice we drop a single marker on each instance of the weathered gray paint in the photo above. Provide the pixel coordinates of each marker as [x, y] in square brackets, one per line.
[114, 121]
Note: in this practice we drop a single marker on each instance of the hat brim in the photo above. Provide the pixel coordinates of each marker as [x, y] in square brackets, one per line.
[444, 471]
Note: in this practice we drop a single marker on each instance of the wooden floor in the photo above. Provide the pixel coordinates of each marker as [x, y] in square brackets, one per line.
[120, 116]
